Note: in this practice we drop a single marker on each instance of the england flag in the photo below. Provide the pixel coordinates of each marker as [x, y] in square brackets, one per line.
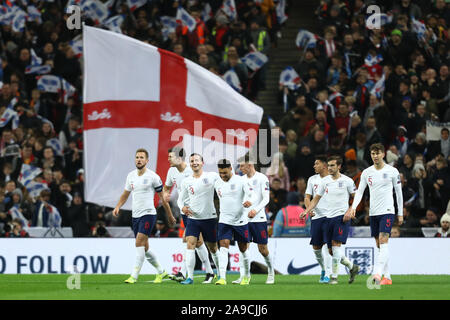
[290, 78]
[49, 83]
[18, 22]
[68, 90]
[16, 214]
[281, 15]
[8, 115]
[28, 173]
[114, 23]
[169, 26]
[77, 46]
[232, 79]
[136, 95]
[34, 14]
[306, 39]
[419, 28]
[207, 13]
[54, 217]
[255, 60]
[95, 9]
[378, 88]
[34, 188]
[135, 4]
[373, 60]
[229, 8]
[55, 145]
[38, 69]
[185, 19]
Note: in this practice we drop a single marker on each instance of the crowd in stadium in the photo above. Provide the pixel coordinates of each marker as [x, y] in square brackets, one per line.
[333, 110]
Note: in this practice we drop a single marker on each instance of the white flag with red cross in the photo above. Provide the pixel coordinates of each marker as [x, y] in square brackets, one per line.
[139, 96]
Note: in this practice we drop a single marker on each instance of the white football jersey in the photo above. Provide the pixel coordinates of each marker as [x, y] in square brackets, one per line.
[259, 186]
[198, 194]
[321, 208]
[232, 194]
[381, 183]
[337, 194]
[143, 190]
[175, 177]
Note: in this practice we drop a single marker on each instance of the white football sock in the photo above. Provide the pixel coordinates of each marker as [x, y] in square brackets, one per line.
[386, 272]
[190, 263]
[140, 256]
[327, 261]
[336, 260]
[151, 258]
[269, 263]
[215, 257]
[223, 262]
[344, 260]
[382, 259]
[202, 252]
[319, 258]
[246, 263]
[241, 265]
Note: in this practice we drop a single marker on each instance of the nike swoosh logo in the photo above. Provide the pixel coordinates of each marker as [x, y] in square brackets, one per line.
[292, 270]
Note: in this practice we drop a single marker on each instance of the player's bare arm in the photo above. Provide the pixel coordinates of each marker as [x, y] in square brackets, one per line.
[312, 205]
[166, 206]
[122, 200]
[166, 193]
[350, 214]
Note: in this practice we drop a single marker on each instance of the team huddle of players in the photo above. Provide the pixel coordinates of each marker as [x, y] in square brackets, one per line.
[242, 217]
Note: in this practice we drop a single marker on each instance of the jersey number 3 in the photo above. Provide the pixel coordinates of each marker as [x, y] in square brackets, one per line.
[191, 190]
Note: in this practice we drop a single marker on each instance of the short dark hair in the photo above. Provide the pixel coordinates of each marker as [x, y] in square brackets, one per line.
[179, 152]
[337, 158]
[377, 147]
[142, 150]
[321, 158]
[196, 154]
[444, 129]
[247, 159]
[223, 163]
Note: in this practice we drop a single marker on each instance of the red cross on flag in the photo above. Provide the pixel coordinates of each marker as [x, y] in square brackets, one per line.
[139, 96]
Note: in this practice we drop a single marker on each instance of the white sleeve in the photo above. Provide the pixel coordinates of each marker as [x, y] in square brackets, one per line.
[351, 187]
[321, 189]
[128, 184]
[360, 191]
[309, 187]
[169, 178]
[157, 183]
[265, 192]
[183, 197]
[247, 192]
[398, 191]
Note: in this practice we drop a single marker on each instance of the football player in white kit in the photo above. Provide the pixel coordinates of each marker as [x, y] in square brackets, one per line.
[143, 183]
[257, 221]
[319, 221]
[234, 195]
[338, 189]
[197, 201]
[178, 171]
[381, 179]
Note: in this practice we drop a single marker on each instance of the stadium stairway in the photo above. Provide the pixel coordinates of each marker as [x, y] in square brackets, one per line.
[286, 54]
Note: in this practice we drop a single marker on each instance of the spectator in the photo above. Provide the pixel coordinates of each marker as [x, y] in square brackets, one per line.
[288, 222]
[278, 170]
[419, 145]
[304, 160]
[441, 146]
[17, 230]
[77, 216]
[407, 166]
[430, 220]
[277, 198]
[443, 231]
[372, 133]
[401, 142]
[395, 232]
[41, 216]
[100, 231]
